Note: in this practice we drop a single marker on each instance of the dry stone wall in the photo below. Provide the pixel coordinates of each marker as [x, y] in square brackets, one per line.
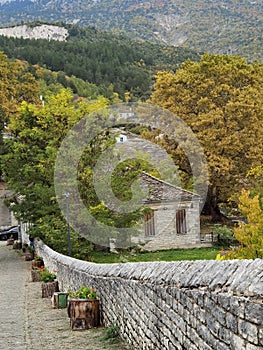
[173, 305]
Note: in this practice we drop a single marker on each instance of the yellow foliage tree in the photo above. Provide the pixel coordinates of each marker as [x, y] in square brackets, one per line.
[17, 84]
[250, 234]
[221, 99]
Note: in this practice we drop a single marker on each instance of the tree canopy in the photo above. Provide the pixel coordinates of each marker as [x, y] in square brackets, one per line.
[17, 84]
[28, 165]
[221, 99]
[249, 232]
[100, 58]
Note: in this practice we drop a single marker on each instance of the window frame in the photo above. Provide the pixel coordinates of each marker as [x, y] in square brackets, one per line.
[180, 222]
[149, 224]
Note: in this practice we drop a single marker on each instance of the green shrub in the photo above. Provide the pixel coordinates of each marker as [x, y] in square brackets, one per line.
[112, 332]
[225, 236]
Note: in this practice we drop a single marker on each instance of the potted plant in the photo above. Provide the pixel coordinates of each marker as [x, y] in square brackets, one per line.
[10, 240]
[35, 273]
[37, 261]
[83, 308]
[17, 245]
[29, 254]
[49, 283]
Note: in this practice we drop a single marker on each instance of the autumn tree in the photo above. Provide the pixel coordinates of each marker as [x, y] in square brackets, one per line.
[17, 84]
[249, 234]
[221, 99]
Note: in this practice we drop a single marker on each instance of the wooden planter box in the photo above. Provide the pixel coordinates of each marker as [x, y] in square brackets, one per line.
[83, 313]
[29, 256]
[49, 288]
[17, 245]
[24, 247]
[37, 263]
[10, 241]
[35, 276]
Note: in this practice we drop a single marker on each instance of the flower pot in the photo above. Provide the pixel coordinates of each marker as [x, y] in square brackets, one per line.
[10, 241]
[29, 255]
[83, 313]
[17, 245]
[49, 288]
[24, 247]
[37, 263]
[35, 276]
[59, 300]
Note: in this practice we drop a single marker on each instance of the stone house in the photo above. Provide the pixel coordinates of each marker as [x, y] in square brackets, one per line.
[172, 217]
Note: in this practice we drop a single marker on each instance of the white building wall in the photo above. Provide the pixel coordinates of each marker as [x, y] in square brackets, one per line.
[166, 236]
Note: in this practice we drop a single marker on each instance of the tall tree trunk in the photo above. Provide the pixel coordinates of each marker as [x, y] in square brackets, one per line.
[211, 207]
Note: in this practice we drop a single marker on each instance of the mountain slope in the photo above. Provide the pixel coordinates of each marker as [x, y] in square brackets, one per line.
[111, 61]
[220, 26]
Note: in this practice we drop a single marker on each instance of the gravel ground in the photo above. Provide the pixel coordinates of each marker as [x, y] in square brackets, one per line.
[28, 321]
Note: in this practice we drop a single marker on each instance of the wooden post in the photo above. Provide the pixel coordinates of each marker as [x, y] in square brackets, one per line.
[83, 313]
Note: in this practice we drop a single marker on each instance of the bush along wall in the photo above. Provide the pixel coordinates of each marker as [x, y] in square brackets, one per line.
[173, 305]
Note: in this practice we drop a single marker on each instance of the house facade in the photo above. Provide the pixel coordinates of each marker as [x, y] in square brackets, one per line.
[172, 216]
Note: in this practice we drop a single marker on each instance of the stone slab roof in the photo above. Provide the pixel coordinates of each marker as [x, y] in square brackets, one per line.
[158, 190]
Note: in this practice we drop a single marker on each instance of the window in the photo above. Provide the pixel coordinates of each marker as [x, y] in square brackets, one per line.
[149, 225]
[181, 222]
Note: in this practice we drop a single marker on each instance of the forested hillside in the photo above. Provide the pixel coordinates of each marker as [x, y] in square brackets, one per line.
[101, 58]
[219, 26]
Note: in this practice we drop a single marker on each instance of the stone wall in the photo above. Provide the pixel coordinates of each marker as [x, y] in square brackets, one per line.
[173, 305]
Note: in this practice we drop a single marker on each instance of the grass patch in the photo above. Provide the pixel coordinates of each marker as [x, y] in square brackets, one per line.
[164, 255]
[110, 339]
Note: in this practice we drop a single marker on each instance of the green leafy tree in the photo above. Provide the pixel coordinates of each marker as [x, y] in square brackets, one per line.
[29, 166]
[122, 180]
[29, 163]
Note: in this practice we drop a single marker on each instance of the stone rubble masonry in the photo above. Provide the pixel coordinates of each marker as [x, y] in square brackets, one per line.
[192, 305]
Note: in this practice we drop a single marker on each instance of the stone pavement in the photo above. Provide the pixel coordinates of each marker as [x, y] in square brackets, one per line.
[28, 322]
